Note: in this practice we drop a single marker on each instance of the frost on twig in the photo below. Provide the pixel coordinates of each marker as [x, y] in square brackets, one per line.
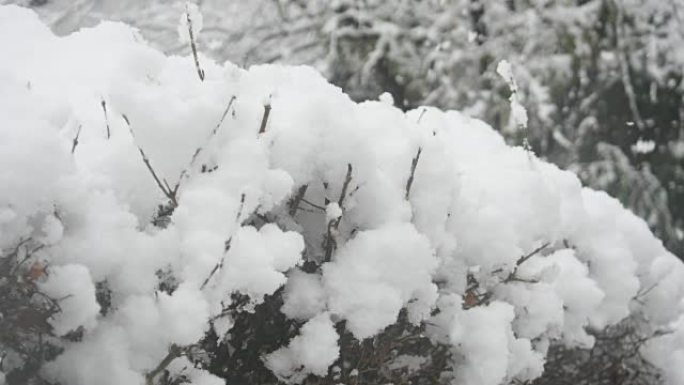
[518, 112]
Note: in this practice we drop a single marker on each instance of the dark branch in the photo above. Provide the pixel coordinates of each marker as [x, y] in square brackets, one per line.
[193, 46]
[75, 141]
[168, 192]
[294, 204]
[422, 113]
[513, 275]
[201, 148]
[345, 185]
[226, 248]
[532, 254]
[104, 108]
[319, 207]
[414, 164]
[242, 207]
[264, 119]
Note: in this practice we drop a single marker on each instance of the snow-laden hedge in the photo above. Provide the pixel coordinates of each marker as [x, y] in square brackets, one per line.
[138, 201]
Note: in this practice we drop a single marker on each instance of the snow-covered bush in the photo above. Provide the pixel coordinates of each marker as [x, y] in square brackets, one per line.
[160, 227]
[591, 72]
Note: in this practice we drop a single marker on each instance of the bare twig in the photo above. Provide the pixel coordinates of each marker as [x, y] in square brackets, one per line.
[75, 141]
[226, 247]
[193, 46]
[294, 204]
[104, 108]
[414, 164]
[420, 117]
[513, 275]
[218, 265]
[345, 185]
[201, 148]
[319, 207]
[264, 119]
[242, 207]
[168, 192]
[645, 292]
[531, 254]
[214, 131]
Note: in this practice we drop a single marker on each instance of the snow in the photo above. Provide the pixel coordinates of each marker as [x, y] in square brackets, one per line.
[304, 296]
[313, 351]
[379, 272]
[386, 98]
[475, 208]
[72, 286]
[643, 146]
[333, 211]
[481, 333]
[183, 366]
[52, 229]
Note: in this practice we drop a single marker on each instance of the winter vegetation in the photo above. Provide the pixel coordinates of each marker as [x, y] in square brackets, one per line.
[596, 77]
[167, 218]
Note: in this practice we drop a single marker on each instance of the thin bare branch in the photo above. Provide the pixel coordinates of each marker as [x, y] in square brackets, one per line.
[264, 119]
[104, 109]
[414, 164]
[294, 204]
[513, 276]
[242, 207]
[75, 141]
[422, 113]
[168, 192]
[201, 148]
[193, 45]
[226, 247]
[345, 185]
[308, 202]
[646, 291]
[531, 254]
